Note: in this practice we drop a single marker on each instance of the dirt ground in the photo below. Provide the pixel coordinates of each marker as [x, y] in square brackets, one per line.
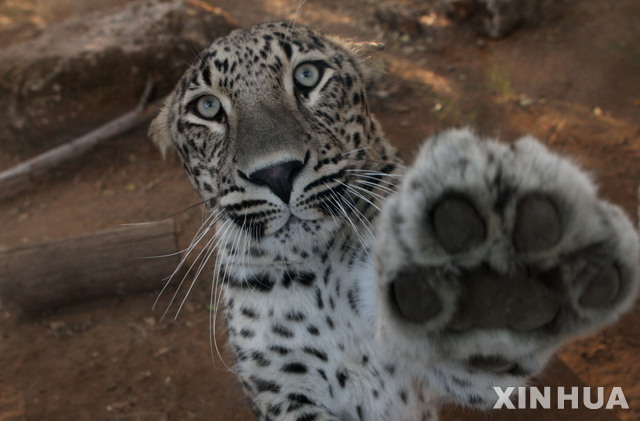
[573, 80]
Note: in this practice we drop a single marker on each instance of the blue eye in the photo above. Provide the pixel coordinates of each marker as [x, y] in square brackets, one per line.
[207, 107]
[307, 75]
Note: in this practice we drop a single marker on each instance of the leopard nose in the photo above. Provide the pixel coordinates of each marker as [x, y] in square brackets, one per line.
[279, 178]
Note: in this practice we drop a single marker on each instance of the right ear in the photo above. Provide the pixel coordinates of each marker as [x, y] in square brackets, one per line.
[370, 60]
[160, 130]
[367, 56]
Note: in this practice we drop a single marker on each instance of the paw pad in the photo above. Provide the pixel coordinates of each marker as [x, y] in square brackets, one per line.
[525, 302]
[416, 301]
[603, 287]
[538, 226]
[457, 224]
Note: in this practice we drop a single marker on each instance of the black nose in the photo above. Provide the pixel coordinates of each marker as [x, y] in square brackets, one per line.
[279, 178]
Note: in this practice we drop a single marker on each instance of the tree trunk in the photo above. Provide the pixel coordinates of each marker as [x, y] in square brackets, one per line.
[116, 261]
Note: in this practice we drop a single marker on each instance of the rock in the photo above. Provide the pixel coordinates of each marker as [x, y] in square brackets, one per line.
[494, 18]
[399, 18]
[525, 101]
[82, 72]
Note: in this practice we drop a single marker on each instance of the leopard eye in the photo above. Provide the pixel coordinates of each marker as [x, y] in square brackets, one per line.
[207, 107]
[307, 75]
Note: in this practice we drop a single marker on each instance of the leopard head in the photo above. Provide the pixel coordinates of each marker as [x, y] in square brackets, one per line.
[269, 122]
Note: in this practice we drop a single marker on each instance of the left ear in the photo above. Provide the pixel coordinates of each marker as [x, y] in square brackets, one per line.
[159, 130]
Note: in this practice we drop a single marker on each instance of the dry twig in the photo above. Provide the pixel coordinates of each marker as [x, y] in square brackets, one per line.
[26, 171]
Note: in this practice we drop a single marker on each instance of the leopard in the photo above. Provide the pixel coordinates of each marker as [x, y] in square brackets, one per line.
[357, 286]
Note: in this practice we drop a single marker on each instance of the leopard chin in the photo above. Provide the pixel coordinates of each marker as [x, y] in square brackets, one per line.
[298, 233]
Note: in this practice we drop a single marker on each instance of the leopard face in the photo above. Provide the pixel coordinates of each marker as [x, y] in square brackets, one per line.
[268, 123]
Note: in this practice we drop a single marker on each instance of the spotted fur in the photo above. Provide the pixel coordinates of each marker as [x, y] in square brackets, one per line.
[296, 177]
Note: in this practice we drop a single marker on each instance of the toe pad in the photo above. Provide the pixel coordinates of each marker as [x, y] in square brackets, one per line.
[457, 224]
[538, 226]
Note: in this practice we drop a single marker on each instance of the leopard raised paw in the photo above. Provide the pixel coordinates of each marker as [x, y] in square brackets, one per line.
[490, 255]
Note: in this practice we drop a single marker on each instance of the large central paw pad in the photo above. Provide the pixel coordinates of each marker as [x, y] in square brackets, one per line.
[484, 237]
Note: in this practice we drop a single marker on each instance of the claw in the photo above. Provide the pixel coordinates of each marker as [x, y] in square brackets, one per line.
[457, 224]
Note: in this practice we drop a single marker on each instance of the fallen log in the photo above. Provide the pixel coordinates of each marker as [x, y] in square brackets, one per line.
[114, 262]
[25, 172]
[12, 406]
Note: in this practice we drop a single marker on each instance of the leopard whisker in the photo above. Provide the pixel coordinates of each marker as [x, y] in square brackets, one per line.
[232, 250]
[188, 208]
[245, 252]
[377, 179]
[356, 150]
[224, 232]
[195, 278]
[375, 173]
[378, 196]
[347, 218]
[373, 161]
[216, 296]
[348, 187]
[375, 186]
[235, 248]
[216, 292]
[294, 17]
[200, 234]
[364, 221]
[201, 267]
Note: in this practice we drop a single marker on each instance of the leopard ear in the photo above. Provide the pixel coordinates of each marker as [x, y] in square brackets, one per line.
[160, 130]
[372, 64]
[368, 58]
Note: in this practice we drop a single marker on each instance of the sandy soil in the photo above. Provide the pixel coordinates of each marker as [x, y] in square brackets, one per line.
[572, 80]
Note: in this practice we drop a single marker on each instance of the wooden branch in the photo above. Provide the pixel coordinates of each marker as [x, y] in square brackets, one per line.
[12, 407]
[31, 168]
[117, 261]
